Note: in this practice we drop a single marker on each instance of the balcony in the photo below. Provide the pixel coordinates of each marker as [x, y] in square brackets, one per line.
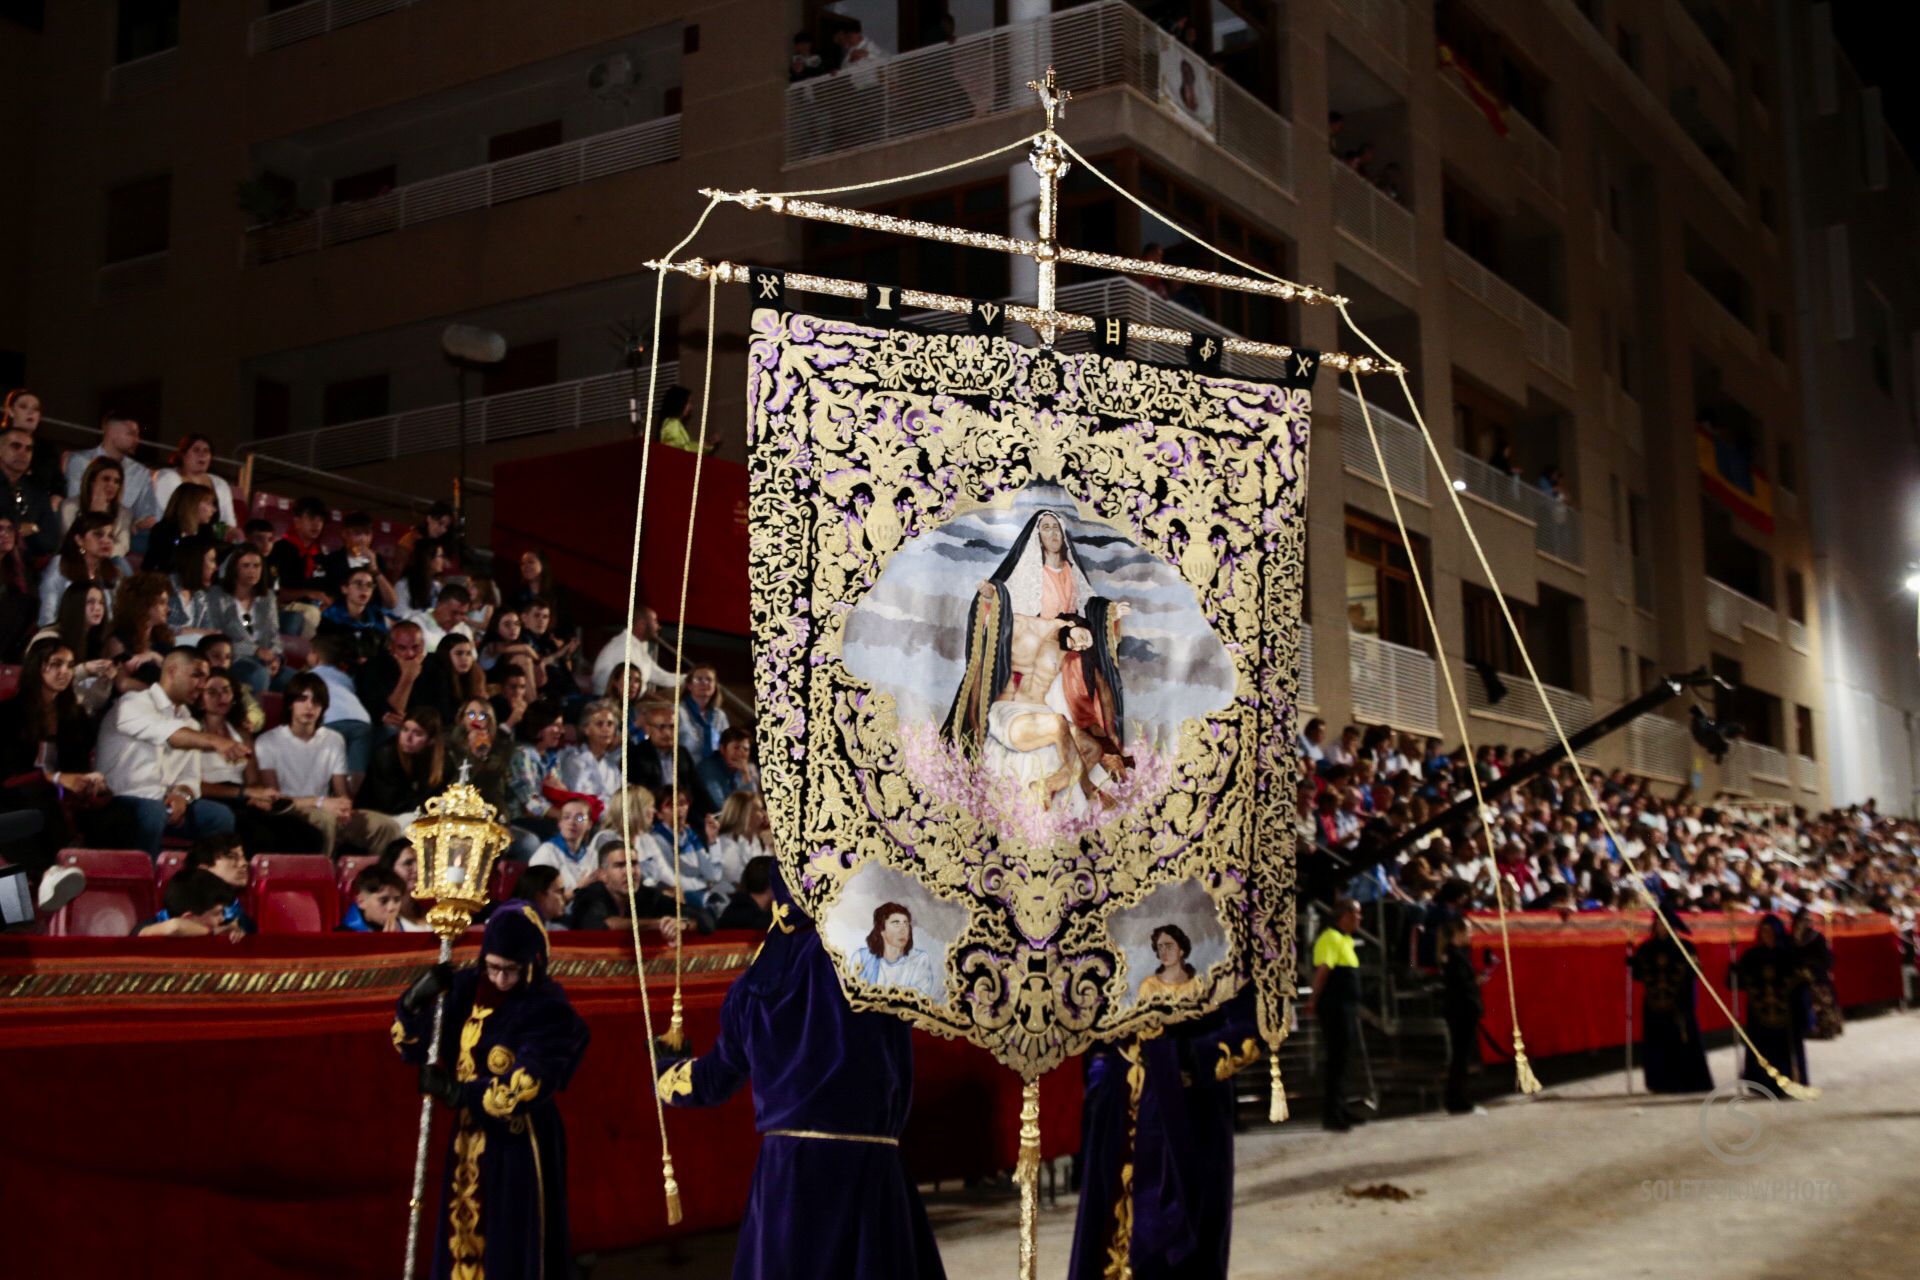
[315, 18]
[1384, 20]
[1533, 153]
[143, 75]
[559, 406]
[1730, 613]
[1624, 416]
[1556, 526]
[549, 169]
[1400, 443]
[984, 77]
[1372, 219]
[1797, 637]
[1543, 339]
[1659, 748]
[1632, 578]
[1712, 320]
[1305, 697]
[1392, 684]
[1750, 767]
[1521, 703]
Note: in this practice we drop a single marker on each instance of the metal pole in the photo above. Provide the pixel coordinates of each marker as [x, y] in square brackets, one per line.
[426, 1123]
[1629, 1019]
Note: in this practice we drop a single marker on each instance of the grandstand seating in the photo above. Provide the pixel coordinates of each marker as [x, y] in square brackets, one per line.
[166, 866]
[351, 865]
[294, 893]
[119, 894]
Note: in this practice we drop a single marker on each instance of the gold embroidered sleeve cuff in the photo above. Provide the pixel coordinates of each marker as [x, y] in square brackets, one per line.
[400, 1037]
[676, 1081]
[1231, 1063]
[504, 1096]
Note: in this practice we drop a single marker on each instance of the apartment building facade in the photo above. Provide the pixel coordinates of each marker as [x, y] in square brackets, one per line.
[1569, 217]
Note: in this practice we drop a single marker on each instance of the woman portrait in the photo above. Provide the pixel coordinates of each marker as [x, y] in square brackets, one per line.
[1172, 946]
[891, 960]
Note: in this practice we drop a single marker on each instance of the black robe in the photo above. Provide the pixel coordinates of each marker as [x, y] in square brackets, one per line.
[1771, 981]
[1676, 1057]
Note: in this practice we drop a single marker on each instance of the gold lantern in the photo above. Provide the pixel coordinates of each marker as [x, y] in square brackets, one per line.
[457, 843]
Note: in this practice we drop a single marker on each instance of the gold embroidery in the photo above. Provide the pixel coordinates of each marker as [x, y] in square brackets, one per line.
[400, 1037]
[875, 1139]
[546, 942]
[465, 1245]
[499, 1060]
[463, 1069]
[676, 1081]
[780, 913]
[1231, 1063]
[502, 1097]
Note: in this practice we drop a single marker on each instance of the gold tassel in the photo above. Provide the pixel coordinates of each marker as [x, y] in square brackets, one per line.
[1026, 1172]
[676, 1034]
[674, 1213]
[1277, 1104]
[1523, 1071]
[1792, 1088]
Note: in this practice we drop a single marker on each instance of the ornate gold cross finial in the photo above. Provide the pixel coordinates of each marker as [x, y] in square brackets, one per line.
[1052, 96]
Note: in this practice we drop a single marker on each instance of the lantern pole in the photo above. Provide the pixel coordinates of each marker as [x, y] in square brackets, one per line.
[426, 1117]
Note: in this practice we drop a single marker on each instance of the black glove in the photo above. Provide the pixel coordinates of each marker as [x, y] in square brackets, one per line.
[434, 982]
[438, 1082]
[665, 1055]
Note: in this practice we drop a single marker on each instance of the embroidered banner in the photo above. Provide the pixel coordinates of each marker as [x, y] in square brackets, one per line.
[1026, 631]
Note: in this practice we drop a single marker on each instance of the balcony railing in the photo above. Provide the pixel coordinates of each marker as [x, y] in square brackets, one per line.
[1521, 702]
[1544, 339]
[148, 271]
[1392, 684]
[1730, 611]
[1306, 697]
[1096, 46]
[1400, 443]
[1806, 773]
[1763, 763]
[1534, 153]
[1384, 20]
[548, 169]
[315, 18]
[1711, 317]
[559, 406]
[1372, 219]
[1797, 637]
[1556, 526]
[143, 75]
[1658, 748]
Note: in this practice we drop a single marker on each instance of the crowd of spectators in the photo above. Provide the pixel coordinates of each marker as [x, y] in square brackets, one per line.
[188, 680]
[1549, 850]
[1359, 157]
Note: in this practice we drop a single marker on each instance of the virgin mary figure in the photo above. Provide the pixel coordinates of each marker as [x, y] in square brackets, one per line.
[1041, 698]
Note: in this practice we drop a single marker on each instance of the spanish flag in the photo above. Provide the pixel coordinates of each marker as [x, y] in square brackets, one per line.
[1483, 97]
[1729, 476]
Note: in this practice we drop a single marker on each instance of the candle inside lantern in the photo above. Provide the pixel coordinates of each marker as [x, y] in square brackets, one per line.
[456, 874]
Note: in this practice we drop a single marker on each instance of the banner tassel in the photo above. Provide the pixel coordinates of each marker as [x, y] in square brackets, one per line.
[1277, 1103]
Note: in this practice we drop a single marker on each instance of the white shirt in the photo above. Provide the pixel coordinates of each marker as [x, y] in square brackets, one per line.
[133, 751]
[302, 769]
[431, 629]
[635, 652]
[344, 702]
[136, 493]
[580, 772]
[167, 479]
[572, 871]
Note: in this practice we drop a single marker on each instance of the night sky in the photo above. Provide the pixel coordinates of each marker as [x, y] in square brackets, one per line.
[1872, 40]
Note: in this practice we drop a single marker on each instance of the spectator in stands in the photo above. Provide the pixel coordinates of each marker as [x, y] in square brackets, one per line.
[635, 647]
[407, 770]
[22, 497]
[605, 902]
[242, 607]
[556, 655]
[226, 857]
[191, 510]
[377, 895]
[195, 904]
[592, 768]
[139, 636]
[803, 63]
[426, 573]
[355, 552]
[86, 555]
[19, 596]
[484, 598]
[627, 688]
[306, 762]
[692, 843]
[568, 851]
[22, 411]
[729, 771]
[346, 714]
[627, 818]
[192, 463]
[535, 758]
[475, 742]
[403, 860]
[46, 756]
[388, 680]
[81, 625]
[100, 490]
[658, 766]
[1313, 739]
[674, 412]
[196, 562]
[545, 888]
[260, 536]
[357, 618]
[702, 719]
[512, 696]
[299, 581]
[505, 646]
[743, 836]
[535, 581]
[119, 439]
[435, 526]
[448, 617]
[752, 906]
[151, 749]
[450, 677]
[263, 819]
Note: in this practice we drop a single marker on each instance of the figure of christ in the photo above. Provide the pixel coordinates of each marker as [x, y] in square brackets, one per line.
[1038, 740]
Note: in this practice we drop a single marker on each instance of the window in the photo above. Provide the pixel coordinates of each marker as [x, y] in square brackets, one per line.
[1803, 731]
[884, 258]
[1796, 596]
[364, 185]
[146, 27]
[1757, 712]
[354, 399]
[138, 219]
[1789, 474]
[272, 407]
[528, 364]
[518, 142]
[1381, 600]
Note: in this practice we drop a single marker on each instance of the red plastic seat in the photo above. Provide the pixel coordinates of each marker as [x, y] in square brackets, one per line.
[166, 867]
[295, 893]
[274, 704]
[351, 865]
[9, 680]
[118, 896]
[505, 878]
[298, 651]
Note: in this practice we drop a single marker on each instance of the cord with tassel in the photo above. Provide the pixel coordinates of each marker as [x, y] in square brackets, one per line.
[1277, 1103]
[675, 1036]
